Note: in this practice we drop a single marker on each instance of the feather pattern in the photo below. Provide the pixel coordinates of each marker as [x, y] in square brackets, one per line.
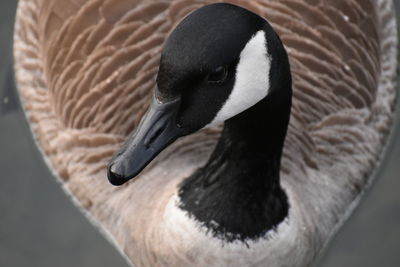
[86, 70]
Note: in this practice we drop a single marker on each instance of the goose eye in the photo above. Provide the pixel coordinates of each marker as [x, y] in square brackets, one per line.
[218, 75]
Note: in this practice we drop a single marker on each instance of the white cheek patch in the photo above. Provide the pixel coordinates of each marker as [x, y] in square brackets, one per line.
[252, 79]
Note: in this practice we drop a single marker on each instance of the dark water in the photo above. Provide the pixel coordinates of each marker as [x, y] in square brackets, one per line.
[40, 227]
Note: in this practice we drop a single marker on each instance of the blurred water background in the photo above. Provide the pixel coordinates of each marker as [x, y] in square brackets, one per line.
[40, 227]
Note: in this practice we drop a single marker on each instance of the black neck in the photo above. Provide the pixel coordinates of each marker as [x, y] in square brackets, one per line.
[237, 194]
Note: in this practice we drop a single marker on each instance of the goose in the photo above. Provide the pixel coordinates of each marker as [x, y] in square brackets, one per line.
[252, 151]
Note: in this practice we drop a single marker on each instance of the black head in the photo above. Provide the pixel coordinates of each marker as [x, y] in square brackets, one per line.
[214, 65]
[200, 58]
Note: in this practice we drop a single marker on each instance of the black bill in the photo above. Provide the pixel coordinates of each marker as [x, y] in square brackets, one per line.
[157, 130]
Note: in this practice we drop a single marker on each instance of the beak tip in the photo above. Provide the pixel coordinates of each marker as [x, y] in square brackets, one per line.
[114, 176]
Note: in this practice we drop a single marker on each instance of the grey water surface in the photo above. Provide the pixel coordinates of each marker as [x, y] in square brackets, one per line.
[40, 227]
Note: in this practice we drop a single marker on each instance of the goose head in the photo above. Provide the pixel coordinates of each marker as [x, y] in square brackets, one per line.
[221, 63]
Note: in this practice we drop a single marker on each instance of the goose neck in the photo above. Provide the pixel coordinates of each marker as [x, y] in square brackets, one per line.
[237, 194]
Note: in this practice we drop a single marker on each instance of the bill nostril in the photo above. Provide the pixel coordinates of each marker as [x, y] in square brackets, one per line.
[153, 135]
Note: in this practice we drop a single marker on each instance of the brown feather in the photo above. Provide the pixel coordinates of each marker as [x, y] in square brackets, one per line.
[86, 70]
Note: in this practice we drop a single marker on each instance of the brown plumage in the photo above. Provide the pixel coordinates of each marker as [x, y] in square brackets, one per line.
[86, 69]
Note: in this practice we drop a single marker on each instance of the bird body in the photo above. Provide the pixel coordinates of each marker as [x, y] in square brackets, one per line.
[86, 72]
